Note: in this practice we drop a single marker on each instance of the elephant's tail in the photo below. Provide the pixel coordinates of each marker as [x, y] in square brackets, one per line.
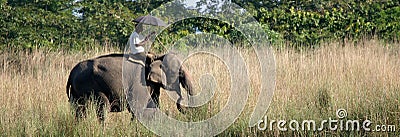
[68, 88]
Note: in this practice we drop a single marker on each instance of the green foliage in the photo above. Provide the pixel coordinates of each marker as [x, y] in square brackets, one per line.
[311, 23]
[74, 24]
[39, 23]
[105, 21]
[66, 23]
[186, 27]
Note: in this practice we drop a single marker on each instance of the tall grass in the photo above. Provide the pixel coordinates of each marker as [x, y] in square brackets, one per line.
[364, 79]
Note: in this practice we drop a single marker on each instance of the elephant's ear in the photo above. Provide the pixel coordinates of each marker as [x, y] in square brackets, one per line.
[156, 74]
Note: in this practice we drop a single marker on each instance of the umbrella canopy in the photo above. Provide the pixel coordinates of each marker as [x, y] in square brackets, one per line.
[150, 20]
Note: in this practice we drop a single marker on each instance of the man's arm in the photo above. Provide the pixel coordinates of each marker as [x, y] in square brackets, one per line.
[146, 39]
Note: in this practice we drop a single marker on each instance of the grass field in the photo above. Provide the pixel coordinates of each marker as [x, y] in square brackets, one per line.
[363, 79]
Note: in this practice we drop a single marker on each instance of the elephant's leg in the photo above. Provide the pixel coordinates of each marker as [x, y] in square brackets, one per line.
[132, 113]
[178, 102]
[80, 107]
[155, 96]
[103, 106]
[154, 90]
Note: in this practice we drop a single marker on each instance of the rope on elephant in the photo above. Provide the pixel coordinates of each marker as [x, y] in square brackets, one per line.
[136, 61]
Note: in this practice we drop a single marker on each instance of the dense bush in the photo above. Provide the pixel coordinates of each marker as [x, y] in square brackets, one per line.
[74, 24]
[349, 20]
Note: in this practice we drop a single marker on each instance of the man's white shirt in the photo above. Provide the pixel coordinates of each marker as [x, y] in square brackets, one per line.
[134, 39]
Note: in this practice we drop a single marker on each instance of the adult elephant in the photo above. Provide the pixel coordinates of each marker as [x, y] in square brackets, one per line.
[119, 81]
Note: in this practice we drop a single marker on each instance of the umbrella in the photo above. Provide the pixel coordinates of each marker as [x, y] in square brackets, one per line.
[150, 20]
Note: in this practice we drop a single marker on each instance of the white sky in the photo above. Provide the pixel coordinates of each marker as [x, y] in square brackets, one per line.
[191, 3]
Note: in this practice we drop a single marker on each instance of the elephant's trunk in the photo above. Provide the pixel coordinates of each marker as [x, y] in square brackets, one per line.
[186, 81]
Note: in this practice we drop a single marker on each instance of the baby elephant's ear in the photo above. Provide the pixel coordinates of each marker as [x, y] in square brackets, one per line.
[156, 74]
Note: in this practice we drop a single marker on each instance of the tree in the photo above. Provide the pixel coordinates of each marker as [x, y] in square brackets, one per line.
[39, 23]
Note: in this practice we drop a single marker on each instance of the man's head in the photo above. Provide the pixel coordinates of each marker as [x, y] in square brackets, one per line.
[139, 27]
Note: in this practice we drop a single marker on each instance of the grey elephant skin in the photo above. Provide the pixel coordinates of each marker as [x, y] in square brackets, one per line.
[115, 83]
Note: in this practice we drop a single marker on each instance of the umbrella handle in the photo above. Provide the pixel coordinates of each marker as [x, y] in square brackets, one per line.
[159, 42]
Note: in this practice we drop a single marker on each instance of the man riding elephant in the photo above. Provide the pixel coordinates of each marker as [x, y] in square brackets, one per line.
[133, 81]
